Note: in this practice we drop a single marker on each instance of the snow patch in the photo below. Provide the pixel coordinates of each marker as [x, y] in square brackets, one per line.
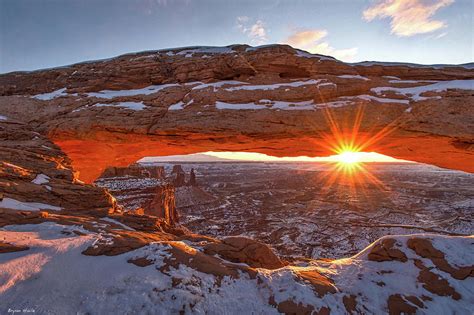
[51, 95]
[398, 81]
[119, 93]
[10, 203]
[378, 99]
[305, 54]
[107, 219]
[275, 86]
[415, 92]
[190, 51]
[249, 49]
[177, 106]
[349, 76]
[223, 105]
[217, 84]
[128, 105]
[41, 179]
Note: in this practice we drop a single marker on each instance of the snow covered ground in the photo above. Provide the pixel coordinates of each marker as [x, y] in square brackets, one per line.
[54, 277]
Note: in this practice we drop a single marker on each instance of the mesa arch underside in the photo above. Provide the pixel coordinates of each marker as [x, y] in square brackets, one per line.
[274, 100]
[91, 156]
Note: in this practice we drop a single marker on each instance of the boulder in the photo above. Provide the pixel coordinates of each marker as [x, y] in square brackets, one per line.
[244, 250]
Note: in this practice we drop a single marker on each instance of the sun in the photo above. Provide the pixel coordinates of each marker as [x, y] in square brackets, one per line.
[348, 157]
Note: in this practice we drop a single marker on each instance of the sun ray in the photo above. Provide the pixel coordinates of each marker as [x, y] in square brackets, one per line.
[347, 143]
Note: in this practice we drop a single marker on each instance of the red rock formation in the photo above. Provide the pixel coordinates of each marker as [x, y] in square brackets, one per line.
[192, 178]
[34, 170]
[183, 118]
[163, 205]
[135, 170]
[179, 179]
[245, 250]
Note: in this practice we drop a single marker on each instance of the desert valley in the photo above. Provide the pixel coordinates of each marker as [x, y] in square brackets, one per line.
[251, 178]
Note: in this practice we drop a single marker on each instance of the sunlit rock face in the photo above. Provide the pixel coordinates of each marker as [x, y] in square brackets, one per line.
[163, 205]
[36, 175]
[275, 100]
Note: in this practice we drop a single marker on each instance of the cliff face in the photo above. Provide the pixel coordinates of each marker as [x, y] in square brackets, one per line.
[274, 100]
[163, 205]
[36, 175]
[135, 170]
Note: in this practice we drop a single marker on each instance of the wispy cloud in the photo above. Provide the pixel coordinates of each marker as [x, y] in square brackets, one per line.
[408, 17]
[313, 41]
[256, 31]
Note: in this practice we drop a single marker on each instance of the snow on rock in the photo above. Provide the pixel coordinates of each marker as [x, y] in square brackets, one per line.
[189, 52]
[176, 277]
[378, 280]
[41, 179]
[255, 48]
[378, 99]
[411, 65]
[219, 84]
[398, 81]
[180, 105]
[391, 77]
[10, 203]
[107, 219]
[51, 95]
[177, 106]
[268, 104]
[3, 117]
[415, 92]
[305, 54]
[349, 76]
[109, 284]
[457, 255]
[224, 105]
[267, 87]
[305, 105]
[109, 94]
[127, 105]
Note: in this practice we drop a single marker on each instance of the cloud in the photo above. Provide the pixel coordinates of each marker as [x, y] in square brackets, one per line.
[304, 38]
[256, 32]
[313, 42]
[409, 17]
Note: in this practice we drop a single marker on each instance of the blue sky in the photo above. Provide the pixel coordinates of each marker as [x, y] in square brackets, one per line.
[38, 34]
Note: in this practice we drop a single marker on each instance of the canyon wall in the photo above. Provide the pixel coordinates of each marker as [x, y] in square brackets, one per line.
[135, 170]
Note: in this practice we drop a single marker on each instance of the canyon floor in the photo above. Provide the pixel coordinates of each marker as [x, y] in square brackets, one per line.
[294, 207]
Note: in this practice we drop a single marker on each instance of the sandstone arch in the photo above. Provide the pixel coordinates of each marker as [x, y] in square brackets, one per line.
[187, 102]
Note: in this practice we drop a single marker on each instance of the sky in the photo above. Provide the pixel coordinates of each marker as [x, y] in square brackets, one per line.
[38, 34]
